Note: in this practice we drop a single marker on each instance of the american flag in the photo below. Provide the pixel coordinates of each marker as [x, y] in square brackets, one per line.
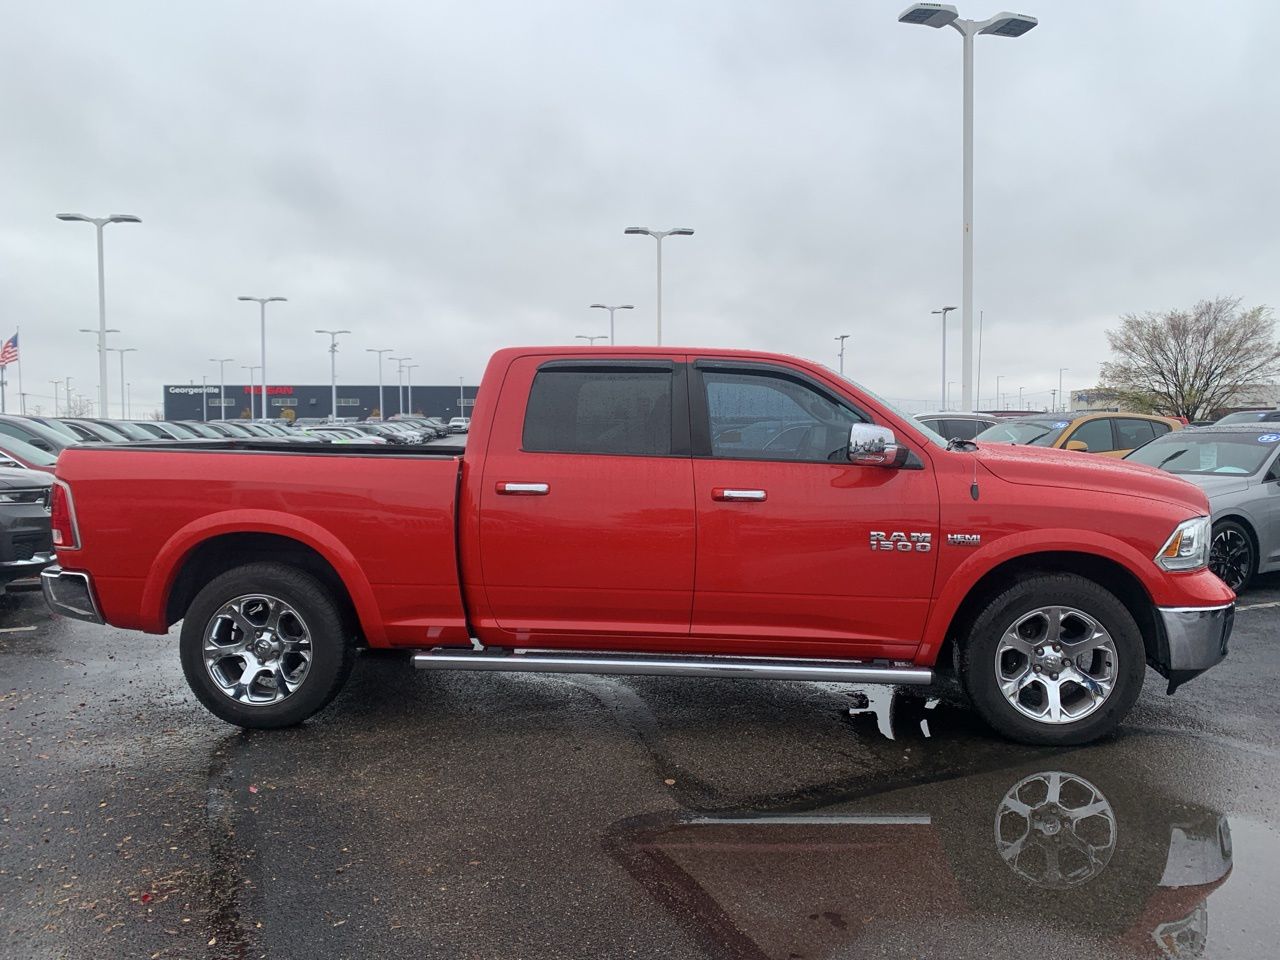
[9, 352]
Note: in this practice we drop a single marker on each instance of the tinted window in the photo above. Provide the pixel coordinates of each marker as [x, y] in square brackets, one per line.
[1095, 433]
[1133, 433]
[599, 411]
[1160, 427]
[768, 417]
[963, 429]
[1041, 433]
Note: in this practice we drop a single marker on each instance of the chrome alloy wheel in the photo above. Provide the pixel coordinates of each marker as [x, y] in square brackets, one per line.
[1055, 830]
[1056, 665]
[257, 649]
[1231, 557]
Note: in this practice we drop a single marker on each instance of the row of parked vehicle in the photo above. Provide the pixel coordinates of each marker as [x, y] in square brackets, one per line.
[1235, 460]
[29, 448]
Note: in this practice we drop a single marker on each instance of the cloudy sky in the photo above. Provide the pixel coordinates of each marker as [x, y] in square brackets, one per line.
[446, 178]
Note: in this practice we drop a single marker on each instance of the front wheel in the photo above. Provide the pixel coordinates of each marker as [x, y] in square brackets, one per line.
[1055, 659]
[1231, 555]
[264, 645]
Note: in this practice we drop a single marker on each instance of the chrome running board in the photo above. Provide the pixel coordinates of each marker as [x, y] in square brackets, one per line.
[665, 665]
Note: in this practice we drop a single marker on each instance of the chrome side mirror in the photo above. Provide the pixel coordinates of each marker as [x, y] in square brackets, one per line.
[874, 446]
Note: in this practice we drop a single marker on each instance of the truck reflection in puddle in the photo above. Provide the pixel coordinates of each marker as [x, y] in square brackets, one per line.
[996, 864]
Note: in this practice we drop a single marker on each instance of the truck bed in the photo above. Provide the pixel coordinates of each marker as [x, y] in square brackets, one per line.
[382, 517]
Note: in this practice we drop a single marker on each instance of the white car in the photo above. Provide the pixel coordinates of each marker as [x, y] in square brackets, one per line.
[459, 424]
[953, 425]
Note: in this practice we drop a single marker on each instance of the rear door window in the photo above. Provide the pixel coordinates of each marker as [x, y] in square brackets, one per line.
[606, 410]
[1131, 433]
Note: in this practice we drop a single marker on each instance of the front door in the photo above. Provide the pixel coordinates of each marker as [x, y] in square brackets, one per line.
[796, 546]
[586, 510]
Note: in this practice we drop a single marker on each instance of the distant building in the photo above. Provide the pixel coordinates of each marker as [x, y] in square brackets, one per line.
[1103, 400]
[188, 401]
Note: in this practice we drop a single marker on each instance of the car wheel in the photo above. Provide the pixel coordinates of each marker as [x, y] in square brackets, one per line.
[265, 646]
[1231, 555]
[1055, 659]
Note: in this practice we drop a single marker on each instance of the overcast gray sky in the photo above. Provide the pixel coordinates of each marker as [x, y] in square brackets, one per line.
[447, 178]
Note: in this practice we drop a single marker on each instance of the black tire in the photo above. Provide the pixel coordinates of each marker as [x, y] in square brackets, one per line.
[978, 658]
[331, 644]
[1232, 556]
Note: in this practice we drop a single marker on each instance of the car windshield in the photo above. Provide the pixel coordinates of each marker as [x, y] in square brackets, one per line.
[1204, 454]
[1251, 416]
[1039, 433]
[26, 452]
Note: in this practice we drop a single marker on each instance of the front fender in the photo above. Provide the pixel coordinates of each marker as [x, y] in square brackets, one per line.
[178, 548]
[959, 583]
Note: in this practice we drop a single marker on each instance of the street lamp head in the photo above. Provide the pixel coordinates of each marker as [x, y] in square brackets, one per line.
[123, 218]
[643, 231]
[627, 306]
[277, 299]
[74, 216]
[929, 14]
[682, 232]
[598, 306]
[1009, 25]
[90, 330]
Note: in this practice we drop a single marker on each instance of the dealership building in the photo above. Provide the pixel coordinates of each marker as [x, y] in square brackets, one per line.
[187, 401]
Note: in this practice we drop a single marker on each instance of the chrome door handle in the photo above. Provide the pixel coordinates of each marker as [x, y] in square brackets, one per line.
[739, 495]
[518, 488]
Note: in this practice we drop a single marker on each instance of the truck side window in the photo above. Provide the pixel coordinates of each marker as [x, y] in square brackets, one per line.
[599, 411]
[1132, 433]
[760, 416]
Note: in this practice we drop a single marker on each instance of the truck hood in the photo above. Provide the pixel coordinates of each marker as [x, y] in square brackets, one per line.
[1045, 467]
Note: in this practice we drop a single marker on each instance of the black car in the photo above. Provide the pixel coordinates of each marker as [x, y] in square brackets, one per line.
[26, 541]
[37, 434]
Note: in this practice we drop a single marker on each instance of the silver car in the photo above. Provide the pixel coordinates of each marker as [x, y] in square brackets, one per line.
[1236, 465]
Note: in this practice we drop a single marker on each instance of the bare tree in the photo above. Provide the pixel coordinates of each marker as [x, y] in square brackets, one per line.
[1188, 363]
[78, 406]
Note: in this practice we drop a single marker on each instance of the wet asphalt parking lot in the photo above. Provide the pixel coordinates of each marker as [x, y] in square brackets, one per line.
[475, 816]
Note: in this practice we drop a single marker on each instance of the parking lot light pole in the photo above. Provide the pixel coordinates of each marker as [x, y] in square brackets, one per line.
[408, 375]
[660, 235]
[999, 377]
[222, 381]
[604, 306]
[944, 311]
[939, 15]
[400, 362]
[333, 370]
[122, 351]
[382, 411]
[55, 396]
[262, 313]
[1062, 397]
[842, 338]
[251, 370]
[591, 341]
[99, 223]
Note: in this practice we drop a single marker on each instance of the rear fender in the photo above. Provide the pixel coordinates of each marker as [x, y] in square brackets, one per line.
[173, 554]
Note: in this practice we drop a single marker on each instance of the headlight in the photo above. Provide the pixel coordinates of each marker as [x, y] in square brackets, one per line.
[1188, 547]
[36, 495]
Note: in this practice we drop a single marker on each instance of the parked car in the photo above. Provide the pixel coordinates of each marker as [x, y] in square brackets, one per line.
[1110, 434]
[131, 431]
[20, 454]
[460, 425]
[26, 546]
[36, 434]
[93, 431]
[1236, 465]
[1250, 416]
[951, 425]
[836, 539]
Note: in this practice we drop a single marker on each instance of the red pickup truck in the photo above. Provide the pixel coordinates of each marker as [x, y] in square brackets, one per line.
[660, 511]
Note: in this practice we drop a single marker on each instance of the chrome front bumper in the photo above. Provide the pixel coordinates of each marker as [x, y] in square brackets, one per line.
[1195, 638]
[70, 594]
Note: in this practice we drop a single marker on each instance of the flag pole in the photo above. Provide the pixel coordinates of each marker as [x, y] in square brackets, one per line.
[22, 397]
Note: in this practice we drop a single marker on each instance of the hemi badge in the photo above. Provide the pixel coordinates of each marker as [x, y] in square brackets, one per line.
[964, 539]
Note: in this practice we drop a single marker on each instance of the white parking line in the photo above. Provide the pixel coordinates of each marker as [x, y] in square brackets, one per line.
[1260, 606]
[18, 629]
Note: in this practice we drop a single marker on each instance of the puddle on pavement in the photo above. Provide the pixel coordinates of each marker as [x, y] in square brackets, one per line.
[1077, 853]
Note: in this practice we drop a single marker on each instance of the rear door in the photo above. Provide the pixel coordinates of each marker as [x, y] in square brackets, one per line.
[798, 550]
[586, 505]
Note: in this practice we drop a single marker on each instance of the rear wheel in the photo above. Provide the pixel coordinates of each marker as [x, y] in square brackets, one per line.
[1231, 555]
[265, 646]
[1056, 659]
